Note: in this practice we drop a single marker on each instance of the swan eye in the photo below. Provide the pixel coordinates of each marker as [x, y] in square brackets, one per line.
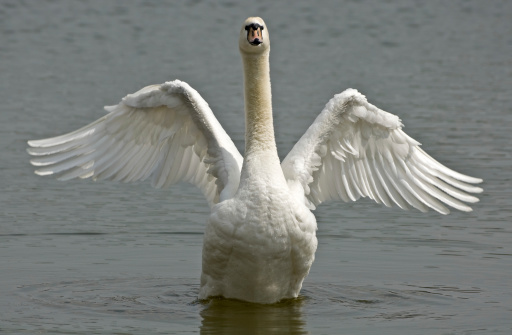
[254, 26]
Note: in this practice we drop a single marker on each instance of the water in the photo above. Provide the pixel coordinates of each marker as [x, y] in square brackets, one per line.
[98, 258]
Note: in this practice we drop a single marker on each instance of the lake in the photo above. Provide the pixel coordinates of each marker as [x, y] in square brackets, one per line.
[80, 257]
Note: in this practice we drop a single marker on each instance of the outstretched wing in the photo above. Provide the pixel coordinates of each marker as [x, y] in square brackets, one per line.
[166, 132]
[353, 149]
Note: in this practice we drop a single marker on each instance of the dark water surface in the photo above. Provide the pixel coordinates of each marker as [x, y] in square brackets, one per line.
[98, 258]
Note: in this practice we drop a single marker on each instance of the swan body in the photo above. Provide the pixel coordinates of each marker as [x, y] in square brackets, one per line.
[259, 241]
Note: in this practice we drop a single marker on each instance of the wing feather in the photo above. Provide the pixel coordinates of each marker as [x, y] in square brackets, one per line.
[166, 132]
[353, 150]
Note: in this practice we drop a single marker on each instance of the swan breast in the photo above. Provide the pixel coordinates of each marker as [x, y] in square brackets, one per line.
[258, 245]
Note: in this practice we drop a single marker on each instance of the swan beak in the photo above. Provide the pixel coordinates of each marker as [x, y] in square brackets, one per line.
[254, 34]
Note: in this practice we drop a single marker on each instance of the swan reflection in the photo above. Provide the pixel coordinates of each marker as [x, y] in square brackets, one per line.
[226, 316]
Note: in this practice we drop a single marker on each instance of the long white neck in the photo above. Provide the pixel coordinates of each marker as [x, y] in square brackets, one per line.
[261, 160]
[259, 127]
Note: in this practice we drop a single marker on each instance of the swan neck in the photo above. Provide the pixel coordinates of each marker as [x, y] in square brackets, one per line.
[259, 128]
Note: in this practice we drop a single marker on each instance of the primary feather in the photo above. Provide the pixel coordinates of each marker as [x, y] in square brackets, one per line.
[166, 132]
[353, 149]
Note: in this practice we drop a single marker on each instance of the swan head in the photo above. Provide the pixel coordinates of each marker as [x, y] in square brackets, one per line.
[254, 36]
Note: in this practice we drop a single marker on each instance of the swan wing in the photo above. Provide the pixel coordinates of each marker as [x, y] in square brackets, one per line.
[166, 132]
[353, 149]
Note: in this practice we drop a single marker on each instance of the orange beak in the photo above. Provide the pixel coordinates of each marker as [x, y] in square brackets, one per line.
[254, 36]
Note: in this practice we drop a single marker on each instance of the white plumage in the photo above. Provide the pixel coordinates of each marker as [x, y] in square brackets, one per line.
[260, 240]
[166, 132]
[353, 150]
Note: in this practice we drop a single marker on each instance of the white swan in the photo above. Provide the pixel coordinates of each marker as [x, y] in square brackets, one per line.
[260, 240]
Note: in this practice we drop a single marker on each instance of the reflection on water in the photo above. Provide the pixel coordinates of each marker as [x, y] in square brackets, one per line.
[171, 303]
[224, 316]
